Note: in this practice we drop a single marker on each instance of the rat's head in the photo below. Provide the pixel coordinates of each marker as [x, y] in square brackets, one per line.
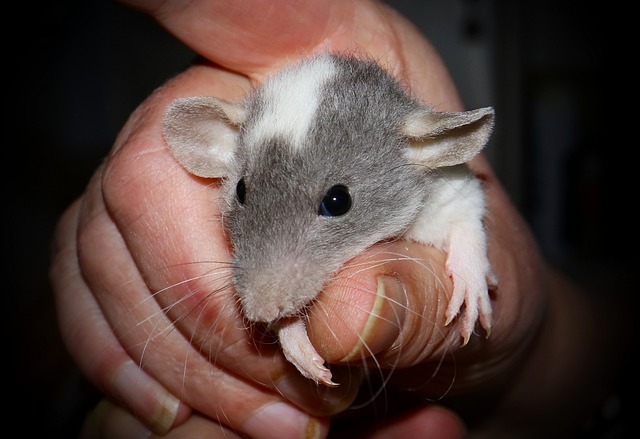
[323, 160]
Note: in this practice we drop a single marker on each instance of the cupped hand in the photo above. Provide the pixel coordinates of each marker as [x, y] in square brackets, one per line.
[141, 269]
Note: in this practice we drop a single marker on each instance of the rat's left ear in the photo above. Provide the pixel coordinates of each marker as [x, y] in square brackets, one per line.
[445, 139]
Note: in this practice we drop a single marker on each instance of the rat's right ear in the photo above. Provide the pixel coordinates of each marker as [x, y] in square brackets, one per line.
[202, 133]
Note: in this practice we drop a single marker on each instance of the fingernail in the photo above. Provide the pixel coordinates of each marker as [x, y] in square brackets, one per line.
[384, 322]
[151, 402]
[326, 400]
[280, 420]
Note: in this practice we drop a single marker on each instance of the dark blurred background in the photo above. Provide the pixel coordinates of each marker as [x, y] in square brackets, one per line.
[78, 68]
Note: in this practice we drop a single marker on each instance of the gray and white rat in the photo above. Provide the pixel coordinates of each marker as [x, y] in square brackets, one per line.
[327, 157]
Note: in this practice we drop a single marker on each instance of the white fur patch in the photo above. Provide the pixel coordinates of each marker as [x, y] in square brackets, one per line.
[292, 98]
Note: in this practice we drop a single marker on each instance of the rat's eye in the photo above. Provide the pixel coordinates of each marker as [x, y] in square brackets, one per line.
[241, 190]
[336, 202]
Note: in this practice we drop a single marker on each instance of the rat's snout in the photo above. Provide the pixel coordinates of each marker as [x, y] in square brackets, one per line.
[276, 289]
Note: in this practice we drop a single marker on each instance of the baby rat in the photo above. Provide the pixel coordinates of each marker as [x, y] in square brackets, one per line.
[327, 157]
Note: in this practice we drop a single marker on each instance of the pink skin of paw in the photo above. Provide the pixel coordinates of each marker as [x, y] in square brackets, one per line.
[299, 351]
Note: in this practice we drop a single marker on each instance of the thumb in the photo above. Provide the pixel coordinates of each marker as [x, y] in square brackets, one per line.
[386, 307]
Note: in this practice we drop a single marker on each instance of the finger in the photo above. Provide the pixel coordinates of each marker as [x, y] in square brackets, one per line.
[110, 421]
[386, 313]
[92, 344]
[257, 35]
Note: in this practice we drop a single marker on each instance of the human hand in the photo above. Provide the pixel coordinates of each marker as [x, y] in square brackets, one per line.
[141, 253]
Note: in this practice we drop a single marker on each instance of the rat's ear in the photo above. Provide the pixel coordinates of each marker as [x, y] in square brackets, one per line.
[445, 139]
[202, 133]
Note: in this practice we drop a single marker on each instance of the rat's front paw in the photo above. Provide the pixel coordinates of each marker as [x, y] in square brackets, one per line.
[299, 351]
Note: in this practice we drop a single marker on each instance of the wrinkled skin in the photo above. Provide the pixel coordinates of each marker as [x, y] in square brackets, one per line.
[138, 315]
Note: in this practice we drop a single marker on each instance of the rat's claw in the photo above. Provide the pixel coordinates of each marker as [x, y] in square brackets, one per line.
[477, 305]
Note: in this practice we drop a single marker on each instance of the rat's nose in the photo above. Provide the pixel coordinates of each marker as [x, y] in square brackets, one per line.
[264, 312]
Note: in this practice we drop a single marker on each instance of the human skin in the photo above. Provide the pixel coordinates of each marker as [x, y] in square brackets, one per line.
[136, 307]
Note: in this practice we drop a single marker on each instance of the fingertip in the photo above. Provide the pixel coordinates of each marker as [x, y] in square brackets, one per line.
[182, 414]
[300, 391]
[149, 400]
[281, 419]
